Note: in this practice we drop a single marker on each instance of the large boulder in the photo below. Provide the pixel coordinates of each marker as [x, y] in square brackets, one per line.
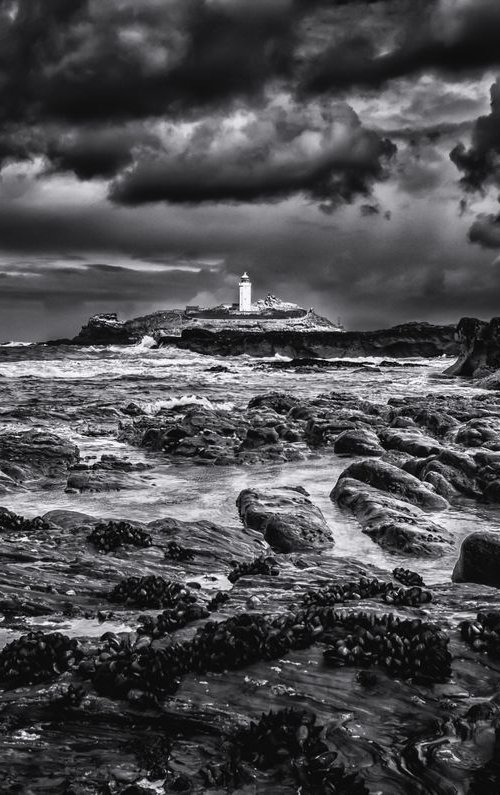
[286, 517]
[454, 471]
[389, 522]
[409, 441]
[386, 477]
[358, 442]
[479, 560]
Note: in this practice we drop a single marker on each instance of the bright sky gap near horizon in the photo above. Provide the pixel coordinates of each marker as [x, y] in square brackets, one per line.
[345, 153]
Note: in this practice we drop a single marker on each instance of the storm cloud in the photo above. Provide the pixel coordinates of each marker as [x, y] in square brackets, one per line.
[150, 152]
[321, 151]
[481, 161]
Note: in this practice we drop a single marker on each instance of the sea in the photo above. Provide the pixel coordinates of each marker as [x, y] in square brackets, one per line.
[77, 393]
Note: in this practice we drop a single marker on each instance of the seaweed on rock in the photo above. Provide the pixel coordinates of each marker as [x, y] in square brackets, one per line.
[285, 741]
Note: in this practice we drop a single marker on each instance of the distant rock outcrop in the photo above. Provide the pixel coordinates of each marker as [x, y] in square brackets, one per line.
[409, 339]
[274, 328]
[106, 329]
[479, 354]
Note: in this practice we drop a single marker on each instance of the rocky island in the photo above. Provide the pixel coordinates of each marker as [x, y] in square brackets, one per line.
[305, 336]
[264, 328]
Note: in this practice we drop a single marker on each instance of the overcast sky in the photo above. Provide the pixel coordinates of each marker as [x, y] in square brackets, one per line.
[345, 152]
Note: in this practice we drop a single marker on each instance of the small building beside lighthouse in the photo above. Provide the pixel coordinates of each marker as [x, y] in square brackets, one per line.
[245, 293]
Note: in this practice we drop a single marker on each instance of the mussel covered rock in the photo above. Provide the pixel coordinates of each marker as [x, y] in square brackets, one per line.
[37, 657]
[366, 588]
[220, 598]
[124, 668]
[151, 591]
[264, 564]
[109, 536]
[405, 648]
[407, 577]
[483, 634]
[175, 551]
[13, 523]
[172, 619]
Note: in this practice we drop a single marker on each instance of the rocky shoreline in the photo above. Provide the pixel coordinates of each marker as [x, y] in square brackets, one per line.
[166, 641]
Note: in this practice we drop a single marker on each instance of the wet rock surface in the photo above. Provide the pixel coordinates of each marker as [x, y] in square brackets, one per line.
[392, 480]
[286, 517]
[127, 688]
[254, 656]
[394, 524]
[32, 455]
[479, 560]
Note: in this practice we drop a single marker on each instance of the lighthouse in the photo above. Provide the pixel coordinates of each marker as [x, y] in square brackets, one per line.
[245, 293]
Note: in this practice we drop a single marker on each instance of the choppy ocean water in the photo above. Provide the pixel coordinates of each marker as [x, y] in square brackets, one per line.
[75, 392]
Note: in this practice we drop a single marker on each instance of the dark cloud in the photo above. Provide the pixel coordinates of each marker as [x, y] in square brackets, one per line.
[98, 151]
[119, 59]
[486, 231]
[150, 151]
[322, 151]
[428, 35]
[369, 209]
[481, 161]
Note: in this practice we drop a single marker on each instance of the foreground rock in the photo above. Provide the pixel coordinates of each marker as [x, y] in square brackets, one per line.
[409, 441]
[362, 442]
[286, 517]
[391, 479]
[105, 693]
[479, 560]
[34, 454]
[391, 523]
[109, 474]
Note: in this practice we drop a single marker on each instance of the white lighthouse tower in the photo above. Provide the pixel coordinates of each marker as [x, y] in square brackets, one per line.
[245, 293]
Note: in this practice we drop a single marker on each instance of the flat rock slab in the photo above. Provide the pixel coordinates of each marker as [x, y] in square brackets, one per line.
[395, 525]
[479, 560]
[105, 480]
[35, 454]
[386, 477]
[286, 517]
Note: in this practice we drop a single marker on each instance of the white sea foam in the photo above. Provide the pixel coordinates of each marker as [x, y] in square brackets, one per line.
[153, 406]
[16, 344]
